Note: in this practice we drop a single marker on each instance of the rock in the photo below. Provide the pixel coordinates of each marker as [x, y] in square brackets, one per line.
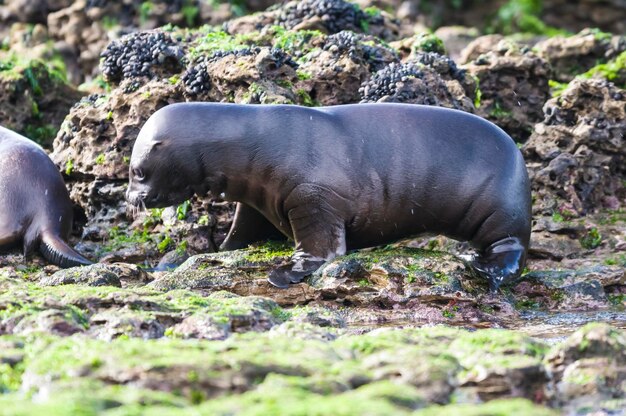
[428, 78]
[108, 325]
[418, 43]
[581, 289]
[236, 315]
[93, 275]
[344, 61]
[545, 244]
[608, 15]
[575, 157]
[31, 11]
[479, 46]
[393, 278]
[588, 367]
[34, 97]
[328, 16]
[396, 284]
[251, 74]
[94, 145]
[513, 84]
[573, 55]
[499, 363]
[126, 275]
[139, 55]
[304, 331]
[51, 321]
[456, 39]
[81, 36]
[241, 272]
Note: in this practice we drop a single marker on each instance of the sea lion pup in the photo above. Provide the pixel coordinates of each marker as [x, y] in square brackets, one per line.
[342, 177]
[35, 207]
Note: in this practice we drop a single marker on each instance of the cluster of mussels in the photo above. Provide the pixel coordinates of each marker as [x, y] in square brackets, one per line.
[134, 55]
[377, 57]
[196, 79]
[442, 64]
[335, 15]
[384, 83]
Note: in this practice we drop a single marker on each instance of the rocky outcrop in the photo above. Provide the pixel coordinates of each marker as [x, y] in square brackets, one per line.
[576, 156]
[327, 16]
[573, 55]
[34, 96]
[608, 15]
[426, 78]
[513, 84]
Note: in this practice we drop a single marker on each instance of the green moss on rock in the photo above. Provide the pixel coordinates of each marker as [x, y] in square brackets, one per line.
[502, 407]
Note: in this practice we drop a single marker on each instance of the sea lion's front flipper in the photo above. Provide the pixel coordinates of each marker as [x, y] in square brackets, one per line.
[501, 262]
[318, 230]
[249, 226]
[56, 251]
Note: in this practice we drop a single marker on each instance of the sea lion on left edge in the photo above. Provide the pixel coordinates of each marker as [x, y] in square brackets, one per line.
[35, 207]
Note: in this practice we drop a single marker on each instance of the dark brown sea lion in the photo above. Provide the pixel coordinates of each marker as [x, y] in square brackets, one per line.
[35, 207]
[343, 177]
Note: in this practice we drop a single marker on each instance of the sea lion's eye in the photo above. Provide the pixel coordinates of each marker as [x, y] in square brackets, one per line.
[138, 174]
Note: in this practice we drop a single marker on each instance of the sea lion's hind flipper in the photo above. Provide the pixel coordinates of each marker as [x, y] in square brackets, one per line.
[249, 226]
[56, 251]
[501, 262]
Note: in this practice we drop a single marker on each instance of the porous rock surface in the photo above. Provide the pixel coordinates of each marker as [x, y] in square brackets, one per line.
[34, 96]
[576, 156]
[572, 55]
[513, 83]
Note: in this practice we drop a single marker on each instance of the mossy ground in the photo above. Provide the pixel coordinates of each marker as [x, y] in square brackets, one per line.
[383, 372]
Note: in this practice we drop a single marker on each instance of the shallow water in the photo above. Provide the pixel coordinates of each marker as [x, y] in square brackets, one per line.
[551, 327]
[555, 326]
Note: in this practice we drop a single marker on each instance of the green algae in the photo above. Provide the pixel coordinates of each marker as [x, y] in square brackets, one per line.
[524, 16]
[428, 42]
[500, 407]
[388, 253]
[370, 399]
[13, 67]
[268, 252]
[20, 74]
[613, 70]
[592, 239]
[496, 350]
[219, 41]
[425, 339]
[295, 41]
[89, 397]
[77, 304]
[273, 373]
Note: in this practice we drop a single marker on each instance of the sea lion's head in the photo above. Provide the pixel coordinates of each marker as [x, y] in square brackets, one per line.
[161, 171]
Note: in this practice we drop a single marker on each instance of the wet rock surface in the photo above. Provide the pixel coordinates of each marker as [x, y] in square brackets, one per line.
[402, 329]
[207, 350]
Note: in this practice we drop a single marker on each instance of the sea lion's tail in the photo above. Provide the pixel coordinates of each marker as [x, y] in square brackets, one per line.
[56, 251]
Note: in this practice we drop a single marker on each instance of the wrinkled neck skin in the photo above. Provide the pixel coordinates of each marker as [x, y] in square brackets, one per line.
[219, 148]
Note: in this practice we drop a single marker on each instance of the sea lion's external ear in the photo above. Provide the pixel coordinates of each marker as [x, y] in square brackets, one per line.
[155, 144]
